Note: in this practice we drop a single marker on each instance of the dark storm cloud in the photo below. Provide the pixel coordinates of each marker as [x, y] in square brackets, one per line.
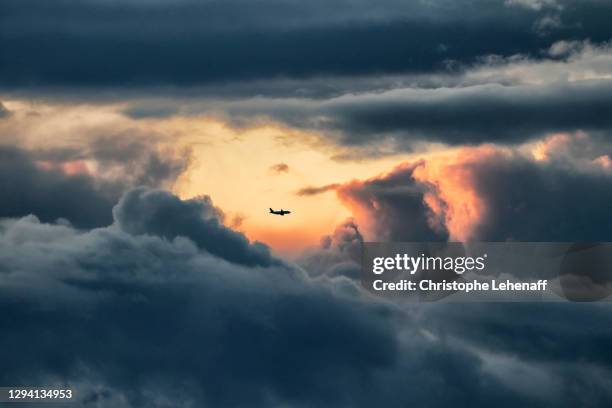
[156, 212]
[529, 201]
[145, 43]
[463, 115]
[522, 333]
[134, 320]
[34, 182]
[142, 315]
[524, 342]
[477, 114]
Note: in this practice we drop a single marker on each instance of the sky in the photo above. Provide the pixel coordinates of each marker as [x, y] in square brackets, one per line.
[142, 143]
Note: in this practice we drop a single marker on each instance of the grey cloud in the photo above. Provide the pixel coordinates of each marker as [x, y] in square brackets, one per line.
[548, 23]
[500, 99]
[128, 158]
[102, 44]
[523, 342]
[51, 194]
[547, 64]
[339, 253]
[156, 212]
[84, 199]
[148, 110]
[124, 298]
[550, 20]
[134, 320]
[556, 204]
[471, 115]
[526, 354]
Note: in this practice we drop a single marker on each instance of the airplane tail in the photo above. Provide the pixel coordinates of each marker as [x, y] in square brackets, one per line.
[271, 211]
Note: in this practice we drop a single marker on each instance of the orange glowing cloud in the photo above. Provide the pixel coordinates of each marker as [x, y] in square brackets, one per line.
[552, 145]
[433, 197]
[604, 161]
[453, 197]
[364, 211]
[387, 202]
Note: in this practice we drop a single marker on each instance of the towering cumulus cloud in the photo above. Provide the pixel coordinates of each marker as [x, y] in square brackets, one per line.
[392, 206]
[559, 191]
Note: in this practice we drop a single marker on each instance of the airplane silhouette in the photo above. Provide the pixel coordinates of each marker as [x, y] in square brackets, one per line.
[281, 212]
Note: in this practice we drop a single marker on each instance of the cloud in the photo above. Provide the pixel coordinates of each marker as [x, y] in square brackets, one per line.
[564, 87]
[74, 41]
[279, 168]
[156, 212]
[547, 24]
[392, 207]
[132, 318]
[149, 110]
[125, 297]
[3, 111]
[501, 99]
[339, 253]
[502, 206]
[82, 184]
[569, 61]
[51, 194]
[138, 298]
[524, 350]
[136, 161]
[550, 21]
[481, 193]
[534, 4]
[474, 114]
[311, 190]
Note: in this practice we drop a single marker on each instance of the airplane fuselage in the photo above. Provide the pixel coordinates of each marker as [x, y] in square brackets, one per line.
[281, 212]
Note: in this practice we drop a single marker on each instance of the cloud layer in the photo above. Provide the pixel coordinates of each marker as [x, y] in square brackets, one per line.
[501, 99]
[135, 316]
[194, 42]
[142, 318]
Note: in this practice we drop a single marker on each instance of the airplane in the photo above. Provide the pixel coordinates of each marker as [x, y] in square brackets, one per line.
[281, 212]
